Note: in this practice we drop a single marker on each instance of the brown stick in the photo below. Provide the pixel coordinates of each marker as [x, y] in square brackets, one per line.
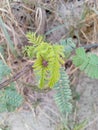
[90, 46]
[16, 76]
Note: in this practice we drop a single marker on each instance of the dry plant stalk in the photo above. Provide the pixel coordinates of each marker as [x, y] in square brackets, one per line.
[40, 20]
[16, 76]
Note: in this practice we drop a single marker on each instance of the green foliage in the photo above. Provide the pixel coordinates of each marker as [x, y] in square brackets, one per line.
[48, 65]
[86, 62]
[10, 99]
[4, 70]
[34, 39]
[63, 94]
[49, 59]
[29, 50]
[80, 126]
[75, 126]
[68, 45]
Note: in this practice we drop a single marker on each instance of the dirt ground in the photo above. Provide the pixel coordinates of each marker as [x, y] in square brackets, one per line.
[87, 106]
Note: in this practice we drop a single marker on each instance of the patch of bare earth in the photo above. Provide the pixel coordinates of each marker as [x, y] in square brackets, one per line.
[87, 106]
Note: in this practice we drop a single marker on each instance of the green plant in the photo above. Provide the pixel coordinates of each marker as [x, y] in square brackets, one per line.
[63, 96]
[48, 65]
[86, 62]
[80, 126]
[75, 126]
[10, 99]
[49, 59]
[63, 93]
[68, 46]
[4, 67]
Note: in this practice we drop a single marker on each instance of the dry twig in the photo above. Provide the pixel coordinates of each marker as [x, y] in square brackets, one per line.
[16, 76]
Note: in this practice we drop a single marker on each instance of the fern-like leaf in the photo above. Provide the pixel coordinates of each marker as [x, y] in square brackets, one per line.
[34, 39]
[55, 62]
[13, 98]
[86, 62]
[4, 70]
[29, 50]
[48, 59]
[63, 93]
[68, 45]
[80, 126]
[10, 99]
